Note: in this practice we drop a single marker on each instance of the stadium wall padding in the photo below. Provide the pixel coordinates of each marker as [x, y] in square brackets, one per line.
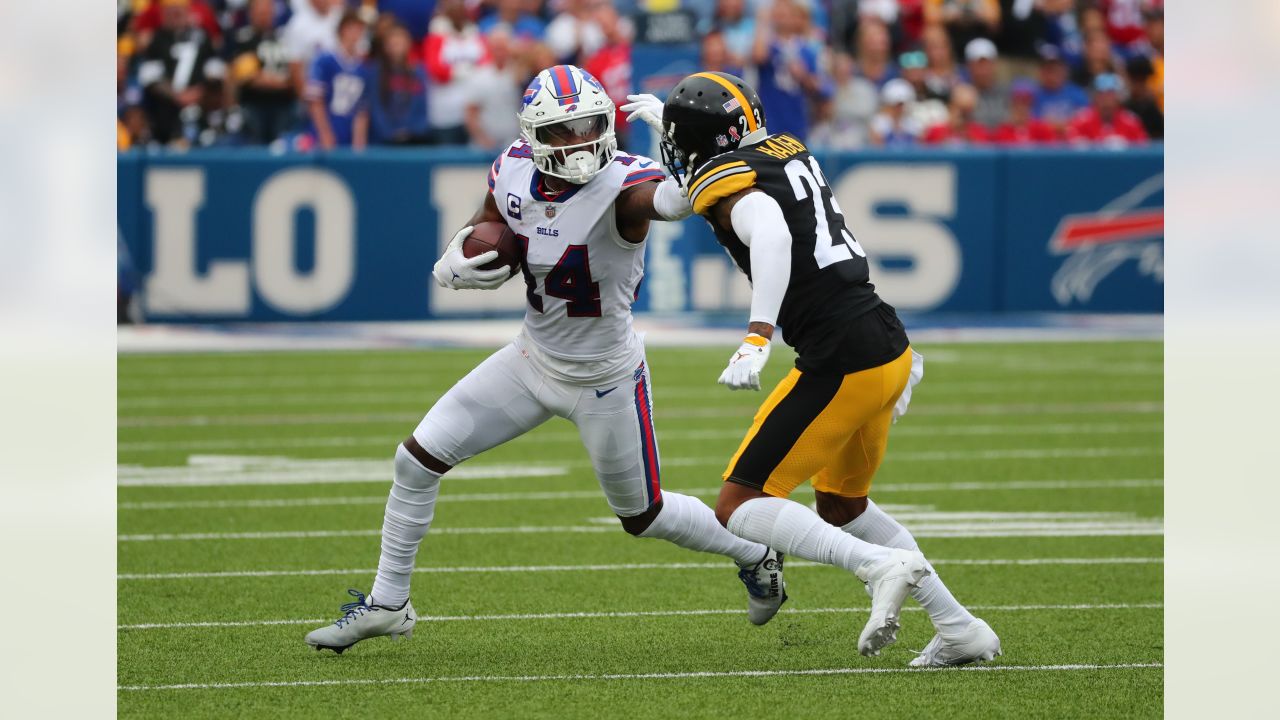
[246, 235]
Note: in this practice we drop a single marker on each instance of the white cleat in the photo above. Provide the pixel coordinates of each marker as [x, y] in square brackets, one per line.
[360, 621]
[766, 590]
[976, 643]
[889, 581]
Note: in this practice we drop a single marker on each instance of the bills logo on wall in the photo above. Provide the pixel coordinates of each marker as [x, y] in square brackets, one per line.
[1096, 244]
[1081, 230]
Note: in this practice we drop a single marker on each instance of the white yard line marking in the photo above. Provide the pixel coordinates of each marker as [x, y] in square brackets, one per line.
[371, 532]
[210, 470]
[573, 438]
[924, 523]
[267, 503]
[609, 568]
[636, 614]
[967, 409]
[411, 378]
[413, 392]
[636, 676]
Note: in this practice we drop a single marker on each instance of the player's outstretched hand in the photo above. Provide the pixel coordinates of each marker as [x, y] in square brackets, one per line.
[644, 107]
[459, 272]
[744, 368]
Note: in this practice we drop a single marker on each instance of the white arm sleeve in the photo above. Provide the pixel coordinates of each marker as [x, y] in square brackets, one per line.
[759, 224]
[670, 201]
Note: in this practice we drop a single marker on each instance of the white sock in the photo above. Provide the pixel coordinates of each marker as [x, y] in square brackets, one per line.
[689, 523]
[410, 508]
[794, 529]
[874, 526]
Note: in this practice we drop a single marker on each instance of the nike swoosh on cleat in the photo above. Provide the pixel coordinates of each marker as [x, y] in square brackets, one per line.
[602, 393]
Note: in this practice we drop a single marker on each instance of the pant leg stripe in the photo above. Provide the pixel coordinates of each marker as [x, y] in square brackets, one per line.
[649, 445]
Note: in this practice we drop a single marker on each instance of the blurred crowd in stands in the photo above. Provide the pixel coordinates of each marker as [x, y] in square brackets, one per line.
[840, 74]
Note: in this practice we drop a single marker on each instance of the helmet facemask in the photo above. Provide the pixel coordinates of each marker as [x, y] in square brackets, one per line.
[573, 149]
[675, 159]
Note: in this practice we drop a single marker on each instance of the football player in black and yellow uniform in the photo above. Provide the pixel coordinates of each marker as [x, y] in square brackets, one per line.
[828, 420]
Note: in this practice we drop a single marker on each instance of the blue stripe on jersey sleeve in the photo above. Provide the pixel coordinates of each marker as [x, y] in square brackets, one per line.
[640, 176]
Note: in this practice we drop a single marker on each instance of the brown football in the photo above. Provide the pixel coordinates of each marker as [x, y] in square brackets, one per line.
[488, 236]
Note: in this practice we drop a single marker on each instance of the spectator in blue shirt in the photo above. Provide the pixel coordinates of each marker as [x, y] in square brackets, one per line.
[875, 58]
[414, 14]
[1057, 99]
[1062, 29]
[788, 58]
[336, 93]
[511, 15]
[716, 57]
[738, 27]
[398, 93]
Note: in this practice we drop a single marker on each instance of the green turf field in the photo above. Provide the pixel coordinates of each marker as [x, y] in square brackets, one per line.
[251, 495]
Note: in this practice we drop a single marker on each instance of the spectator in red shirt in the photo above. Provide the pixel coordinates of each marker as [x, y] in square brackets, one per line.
[1124, 20]
[1106, 122]
[1021, 128]
[147, 22]
[960, 127]
[452, 51]
[611, 64]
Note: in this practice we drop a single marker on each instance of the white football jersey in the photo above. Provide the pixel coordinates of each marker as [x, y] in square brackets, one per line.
[580, 275]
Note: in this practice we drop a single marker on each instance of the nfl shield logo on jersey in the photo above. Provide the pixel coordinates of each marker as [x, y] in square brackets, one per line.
[551, 211]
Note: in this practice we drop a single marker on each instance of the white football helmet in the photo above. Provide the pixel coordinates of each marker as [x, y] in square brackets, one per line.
[563, 105]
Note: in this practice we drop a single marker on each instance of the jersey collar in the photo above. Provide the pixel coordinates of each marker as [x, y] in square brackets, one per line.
[535, 190]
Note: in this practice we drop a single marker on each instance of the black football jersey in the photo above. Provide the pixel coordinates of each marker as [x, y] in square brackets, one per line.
[269, 51]
[827, 311]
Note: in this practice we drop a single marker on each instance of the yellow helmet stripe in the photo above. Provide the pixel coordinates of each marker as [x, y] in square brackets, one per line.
[711, 173]
[742, 99]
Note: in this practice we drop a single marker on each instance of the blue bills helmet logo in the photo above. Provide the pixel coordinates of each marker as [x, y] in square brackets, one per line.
[591, 80]
[532, 91]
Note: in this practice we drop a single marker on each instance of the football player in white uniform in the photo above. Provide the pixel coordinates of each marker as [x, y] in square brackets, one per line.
[581, 211]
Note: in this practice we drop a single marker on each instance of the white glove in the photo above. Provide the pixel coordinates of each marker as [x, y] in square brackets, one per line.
[459, 272]
[645, 107]
[745, 365]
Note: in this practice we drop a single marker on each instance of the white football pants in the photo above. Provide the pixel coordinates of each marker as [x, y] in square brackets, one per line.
[507, 396]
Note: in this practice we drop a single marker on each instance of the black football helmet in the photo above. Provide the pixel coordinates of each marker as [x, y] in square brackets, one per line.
[708, 113]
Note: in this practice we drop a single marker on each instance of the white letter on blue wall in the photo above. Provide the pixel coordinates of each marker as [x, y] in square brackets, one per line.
[173, 287]
[928, 192]
[275, 268]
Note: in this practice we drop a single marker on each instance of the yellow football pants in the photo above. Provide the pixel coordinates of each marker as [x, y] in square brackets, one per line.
[832, 429]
